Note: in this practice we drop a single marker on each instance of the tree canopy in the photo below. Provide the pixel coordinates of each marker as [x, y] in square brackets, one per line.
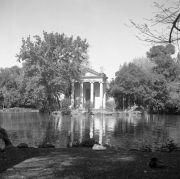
[152, 83]
[165, 64]
[129, 86]
[49, 66]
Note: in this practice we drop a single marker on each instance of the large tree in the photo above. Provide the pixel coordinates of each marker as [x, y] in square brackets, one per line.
[49, 66]
[165, 64]
[130, 86]
[163, 27]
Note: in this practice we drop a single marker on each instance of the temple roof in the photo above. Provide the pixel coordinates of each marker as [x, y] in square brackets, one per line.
[90, 73]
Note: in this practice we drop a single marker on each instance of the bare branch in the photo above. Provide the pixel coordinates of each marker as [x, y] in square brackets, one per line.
[166, 18]
[174, 26]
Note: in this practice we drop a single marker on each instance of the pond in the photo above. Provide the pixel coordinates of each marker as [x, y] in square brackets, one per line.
[125, 131]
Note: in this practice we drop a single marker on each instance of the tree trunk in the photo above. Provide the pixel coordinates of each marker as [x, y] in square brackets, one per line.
[5, 138]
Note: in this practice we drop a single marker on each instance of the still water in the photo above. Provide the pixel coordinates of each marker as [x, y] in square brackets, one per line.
[125, 131]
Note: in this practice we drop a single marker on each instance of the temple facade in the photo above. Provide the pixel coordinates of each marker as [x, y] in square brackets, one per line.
[92, 86]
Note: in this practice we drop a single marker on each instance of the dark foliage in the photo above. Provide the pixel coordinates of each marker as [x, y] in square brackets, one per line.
[157, 90]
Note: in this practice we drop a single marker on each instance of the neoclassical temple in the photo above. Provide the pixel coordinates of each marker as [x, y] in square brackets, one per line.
[92, 86]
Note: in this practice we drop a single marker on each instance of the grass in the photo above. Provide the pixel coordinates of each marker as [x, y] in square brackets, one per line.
[111, 163]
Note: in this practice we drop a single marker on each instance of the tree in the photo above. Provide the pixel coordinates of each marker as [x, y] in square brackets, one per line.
[173, 102]
[134, 86]
[167, 18]
[129, 87]
[165, 71]
[145, 64]
[158, 94]
[49, 66]
[165, 64]
[152, 82]
[9, 86]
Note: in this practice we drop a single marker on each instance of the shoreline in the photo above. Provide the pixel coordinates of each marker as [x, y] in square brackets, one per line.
[94, 112]
[17, 109]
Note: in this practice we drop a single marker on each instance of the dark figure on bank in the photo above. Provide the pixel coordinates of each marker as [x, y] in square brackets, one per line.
[5, 138]
[155, 163]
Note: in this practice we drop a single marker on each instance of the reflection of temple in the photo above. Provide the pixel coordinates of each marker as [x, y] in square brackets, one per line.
[92, 86]
[82, 128]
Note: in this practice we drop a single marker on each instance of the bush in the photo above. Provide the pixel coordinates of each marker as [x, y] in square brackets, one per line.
[88, 106]
[110, 105]
[65, 106]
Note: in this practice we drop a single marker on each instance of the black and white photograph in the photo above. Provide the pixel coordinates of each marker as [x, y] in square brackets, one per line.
[89, 89]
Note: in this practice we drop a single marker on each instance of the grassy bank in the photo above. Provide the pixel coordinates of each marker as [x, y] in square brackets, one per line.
[16, 109]
[111, 163]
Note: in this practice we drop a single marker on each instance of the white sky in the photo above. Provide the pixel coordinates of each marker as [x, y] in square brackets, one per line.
[101, 22]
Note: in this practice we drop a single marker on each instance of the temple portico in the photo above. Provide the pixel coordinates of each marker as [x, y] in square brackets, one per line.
[91, 87]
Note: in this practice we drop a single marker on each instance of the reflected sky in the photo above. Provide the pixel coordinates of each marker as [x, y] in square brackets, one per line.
[125, 131]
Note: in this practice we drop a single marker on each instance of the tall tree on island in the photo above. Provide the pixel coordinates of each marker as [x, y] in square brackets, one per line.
[49, 65]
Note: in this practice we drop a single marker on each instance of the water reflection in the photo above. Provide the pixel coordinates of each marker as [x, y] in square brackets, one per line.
[125, 131]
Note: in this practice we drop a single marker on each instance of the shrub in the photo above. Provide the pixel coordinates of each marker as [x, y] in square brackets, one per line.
[65, 106]
[110, 105]
[88, 106]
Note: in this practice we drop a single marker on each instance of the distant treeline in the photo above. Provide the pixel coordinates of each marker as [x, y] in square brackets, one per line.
[152, 82]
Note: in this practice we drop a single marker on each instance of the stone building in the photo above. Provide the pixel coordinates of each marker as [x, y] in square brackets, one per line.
[92, 86]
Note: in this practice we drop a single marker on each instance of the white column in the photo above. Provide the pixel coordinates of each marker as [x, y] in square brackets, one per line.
[81, 95]
[72, 96]
[92, 93]
[101, 95]
[104, 98]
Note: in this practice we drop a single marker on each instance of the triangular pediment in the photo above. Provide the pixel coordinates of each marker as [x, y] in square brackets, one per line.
[91, 73]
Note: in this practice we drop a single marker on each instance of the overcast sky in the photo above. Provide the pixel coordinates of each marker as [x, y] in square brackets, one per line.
[101, 22]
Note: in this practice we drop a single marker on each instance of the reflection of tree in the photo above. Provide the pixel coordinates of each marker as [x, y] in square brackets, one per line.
[64, 132]
[151, 133]
[48, 136]
[125, 125]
